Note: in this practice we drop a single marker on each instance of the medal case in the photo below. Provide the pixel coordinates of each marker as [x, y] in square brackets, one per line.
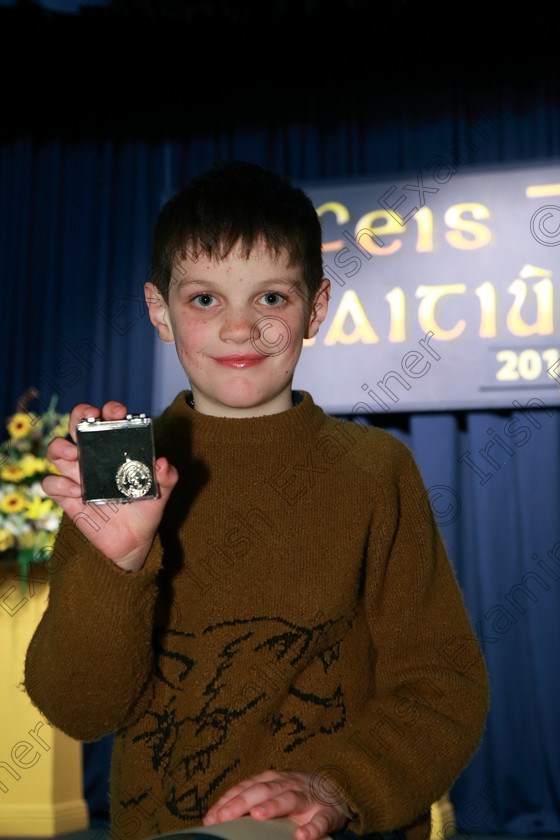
[117, 459]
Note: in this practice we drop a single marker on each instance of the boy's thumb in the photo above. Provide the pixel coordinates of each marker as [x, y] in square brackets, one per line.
[166, 476]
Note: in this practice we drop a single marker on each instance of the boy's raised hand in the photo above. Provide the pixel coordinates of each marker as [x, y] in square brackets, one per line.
[126, 537]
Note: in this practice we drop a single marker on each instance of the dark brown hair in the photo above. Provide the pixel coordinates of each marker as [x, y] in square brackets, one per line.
[237, 202]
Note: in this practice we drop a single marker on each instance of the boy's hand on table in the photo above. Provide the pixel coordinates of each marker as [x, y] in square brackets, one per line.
[126, 537]
[282, 794]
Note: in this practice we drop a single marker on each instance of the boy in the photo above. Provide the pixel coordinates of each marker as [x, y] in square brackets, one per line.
[280, 632]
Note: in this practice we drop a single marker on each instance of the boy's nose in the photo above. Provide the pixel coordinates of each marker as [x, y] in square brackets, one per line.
[237, 326]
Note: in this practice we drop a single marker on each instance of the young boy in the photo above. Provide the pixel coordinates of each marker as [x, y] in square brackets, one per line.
[279, 633]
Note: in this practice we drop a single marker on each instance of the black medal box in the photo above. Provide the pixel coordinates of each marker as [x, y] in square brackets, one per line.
[117, 459]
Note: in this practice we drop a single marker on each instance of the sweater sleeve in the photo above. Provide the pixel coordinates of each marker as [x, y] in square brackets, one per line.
[91, 655]
[428, 692]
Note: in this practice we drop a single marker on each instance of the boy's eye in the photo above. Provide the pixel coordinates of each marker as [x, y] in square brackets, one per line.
[273, 298]
[204, 300]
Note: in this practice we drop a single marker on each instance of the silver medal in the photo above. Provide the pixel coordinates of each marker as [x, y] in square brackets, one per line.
[133, 478]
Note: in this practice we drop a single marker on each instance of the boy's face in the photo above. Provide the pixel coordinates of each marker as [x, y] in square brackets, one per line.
[238, 325]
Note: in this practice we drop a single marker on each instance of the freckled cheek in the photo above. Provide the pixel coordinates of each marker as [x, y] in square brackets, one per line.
[191, 346]
[194, 336]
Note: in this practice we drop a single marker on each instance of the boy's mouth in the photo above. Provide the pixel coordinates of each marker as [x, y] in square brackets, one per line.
[240, 361]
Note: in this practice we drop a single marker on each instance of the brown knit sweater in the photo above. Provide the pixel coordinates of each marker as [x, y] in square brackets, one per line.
[297, 611]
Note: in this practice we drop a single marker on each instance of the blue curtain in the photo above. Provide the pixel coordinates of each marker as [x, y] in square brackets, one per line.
[74, 254]
[502, 530]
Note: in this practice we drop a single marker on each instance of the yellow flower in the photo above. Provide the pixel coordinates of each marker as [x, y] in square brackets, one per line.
[13, 472]
[61, 430]
[12, 503]
[20, 425]
[28, 539]
[7, 539]
[30, 465]
[37, 508]
[50, 467]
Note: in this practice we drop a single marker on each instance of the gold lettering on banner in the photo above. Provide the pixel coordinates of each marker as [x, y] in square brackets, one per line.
[342, 217]
[391, 226]
[543, 324]
[487, 296]
[542, 190]
[397, 302]
[363, 331]
[425, 220]
[480, 234]
[426, 315]
[464, 234]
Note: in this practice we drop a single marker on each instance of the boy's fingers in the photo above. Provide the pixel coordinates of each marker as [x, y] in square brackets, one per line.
[282, 804]
[61, 486]
[275, 794]
[252, 792]
[211, 814]
[62, 449]
[78, 413]
[63, 455]
[316, 827]
[263, 799]
[113, 410]
[63, 491]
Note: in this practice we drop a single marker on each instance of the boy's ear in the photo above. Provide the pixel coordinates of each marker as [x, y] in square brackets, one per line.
[319, 309]
[158, 312]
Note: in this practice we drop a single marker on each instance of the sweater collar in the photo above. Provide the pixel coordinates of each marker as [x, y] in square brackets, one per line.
[296, 424]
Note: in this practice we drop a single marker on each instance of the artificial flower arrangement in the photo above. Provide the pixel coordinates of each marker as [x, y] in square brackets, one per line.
[29, 519]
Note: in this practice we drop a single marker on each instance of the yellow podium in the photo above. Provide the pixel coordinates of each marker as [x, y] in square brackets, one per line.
[40, 767]
[443, 819]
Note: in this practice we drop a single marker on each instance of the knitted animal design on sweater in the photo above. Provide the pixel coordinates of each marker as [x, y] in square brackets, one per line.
[266, 664]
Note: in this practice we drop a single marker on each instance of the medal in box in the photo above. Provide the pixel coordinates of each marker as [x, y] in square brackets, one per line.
[117, 459]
